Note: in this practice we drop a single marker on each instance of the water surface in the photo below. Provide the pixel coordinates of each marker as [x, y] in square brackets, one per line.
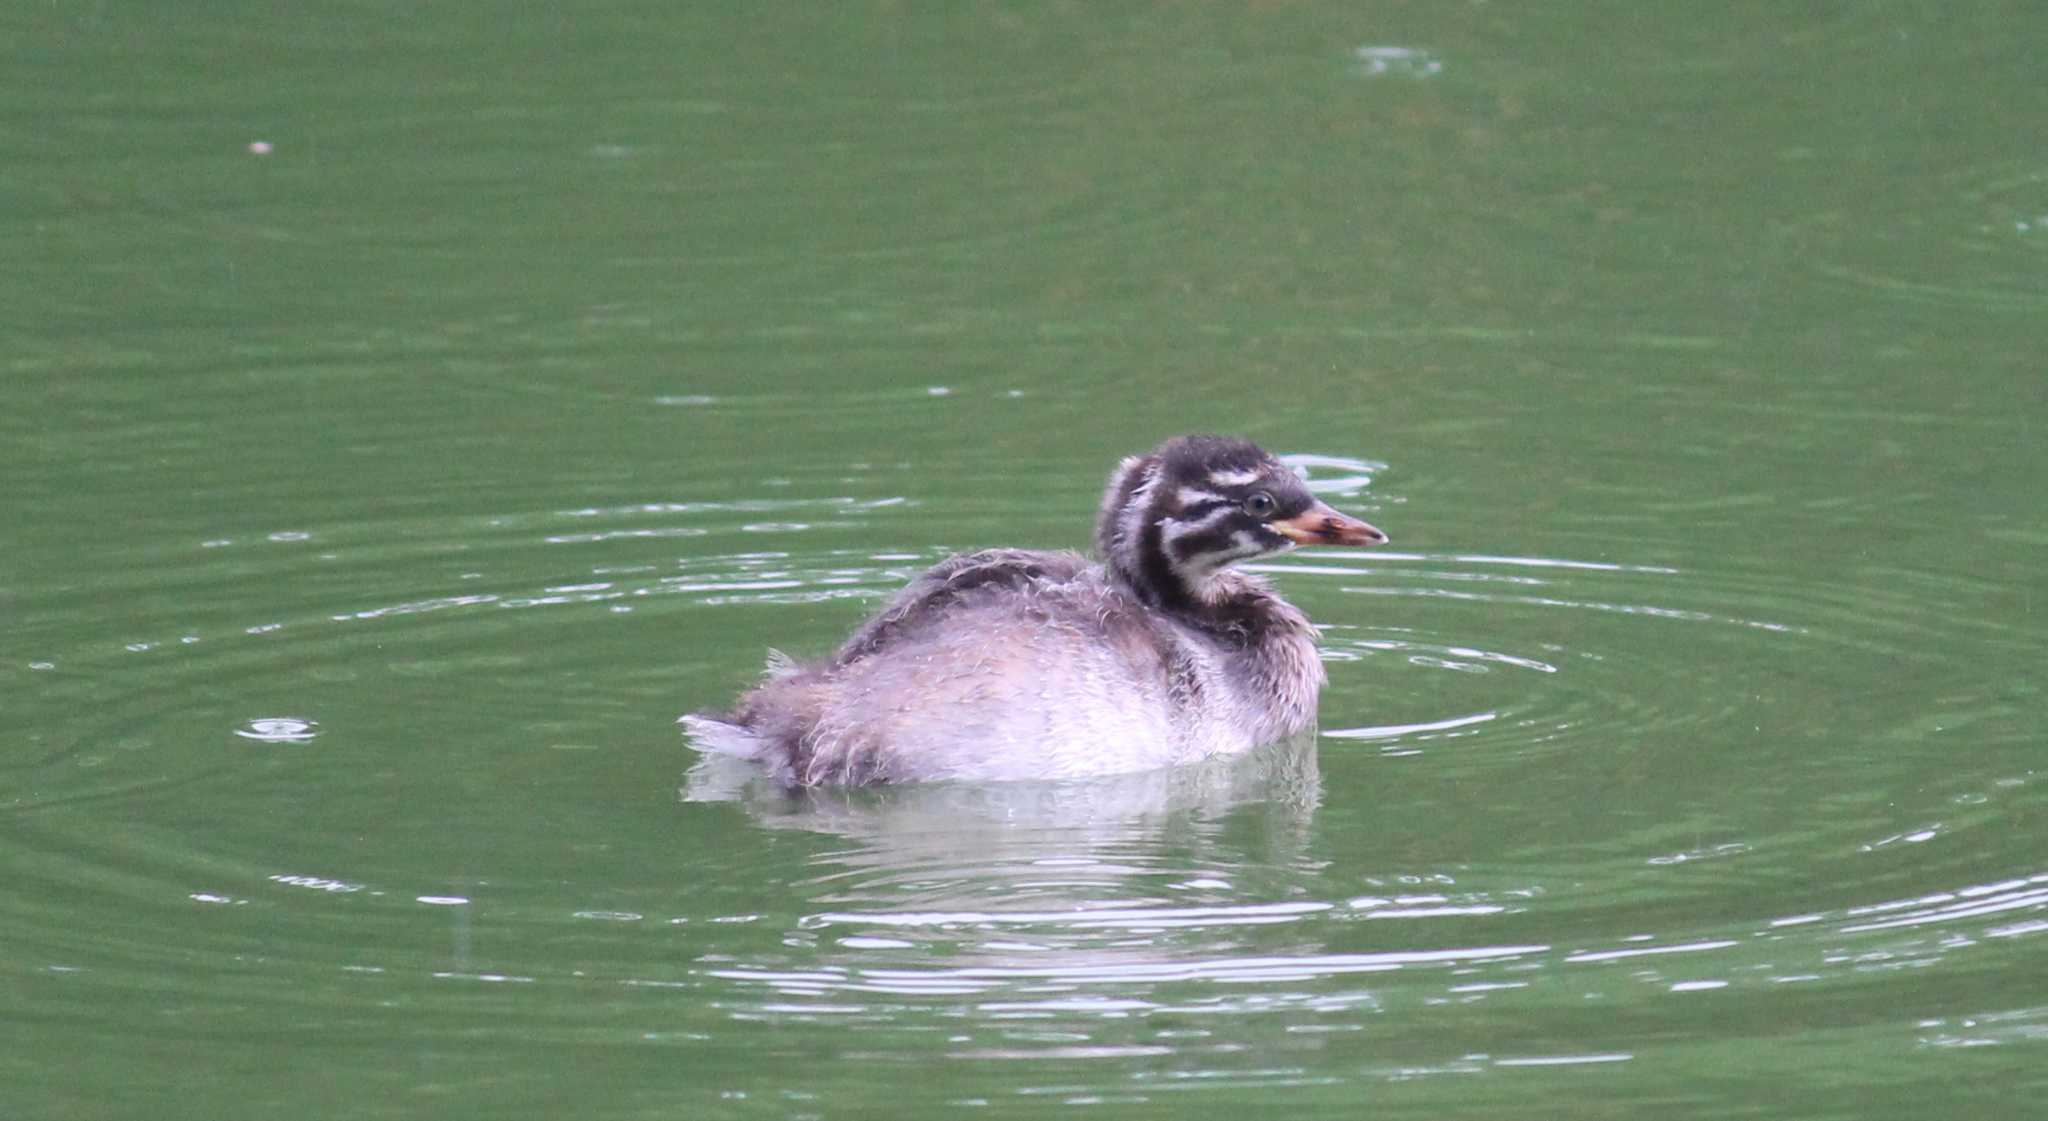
[415, 409]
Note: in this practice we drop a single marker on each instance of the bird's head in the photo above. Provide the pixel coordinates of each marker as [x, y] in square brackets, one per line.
[1171, 519]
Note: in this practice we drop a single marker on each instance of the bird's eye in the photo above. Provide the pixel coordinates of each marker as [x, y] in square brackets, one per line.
[1259, 504]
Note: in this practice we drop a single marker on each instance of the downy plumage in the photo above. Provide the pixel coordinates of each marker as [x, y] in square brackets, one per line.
[1014, 664]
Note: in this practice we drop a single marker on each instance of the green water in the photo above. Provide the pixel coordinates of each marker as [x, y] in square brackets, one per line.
[412, 409]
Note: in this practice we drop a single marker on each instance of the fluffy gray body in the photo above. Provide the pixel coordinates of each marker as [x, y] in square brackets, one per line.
[1013, 664]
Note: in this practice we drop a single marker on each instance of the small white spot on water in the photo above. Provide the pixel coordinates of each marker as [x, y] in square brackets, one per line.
[443, 900]
[1731, 848]
[289, 535]
[279, 729]
[1403, 62]
[1917, 836]
[317, 883]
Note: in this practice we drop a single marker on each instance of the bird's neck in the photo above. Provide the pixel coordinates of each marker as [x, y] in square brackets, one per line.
[1143, 568]
[1230, 604]
[1130, 540]
[1269, 644]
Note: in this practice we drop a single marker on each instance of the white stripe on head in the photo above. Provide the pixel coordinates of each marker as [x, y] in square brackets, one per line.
[1172, 530]
[1249, 545]
[1131, 521]
[1243, 546]
[1194, 496]
[1235, 478]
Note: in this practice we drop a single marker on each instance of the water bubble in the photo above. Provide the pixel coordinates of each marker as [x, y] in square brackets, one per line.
[317, 883]
[1403, 62]
[279, 729]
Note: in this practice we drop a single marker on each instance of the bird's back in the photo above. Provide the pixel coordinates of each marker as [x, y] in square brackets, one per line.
[996, 665]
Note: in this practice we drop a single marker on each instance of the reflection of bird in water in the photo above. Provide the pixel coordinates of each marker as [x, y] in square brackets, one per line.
[1035, 886]
[1008, 664]
[1067, 863]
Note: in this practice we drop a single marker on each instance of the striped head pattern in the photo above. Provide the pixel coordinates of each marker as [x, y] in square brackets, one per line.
[1171, 519]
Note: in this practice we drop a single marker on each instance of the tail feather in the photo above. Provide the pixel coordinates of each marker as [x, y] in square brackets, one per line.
[716, 737]
[768, 724]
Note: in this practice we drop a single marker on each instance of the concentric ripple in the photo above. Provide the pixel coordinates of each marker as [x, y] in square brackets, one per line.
[1567, 791]
[1106, 920]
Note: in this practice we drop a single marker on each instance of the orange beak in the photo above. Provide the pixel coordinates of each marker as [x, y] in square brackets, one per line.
[1320, 525]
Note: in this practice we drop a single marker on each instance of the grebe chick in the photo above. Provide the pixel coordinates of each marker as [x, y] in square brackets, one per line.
[1015, 664]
